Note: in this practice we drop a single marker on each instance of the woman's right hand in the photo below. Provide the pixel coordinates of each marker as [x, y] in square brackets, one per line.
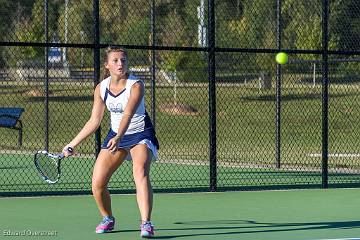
[68, 150]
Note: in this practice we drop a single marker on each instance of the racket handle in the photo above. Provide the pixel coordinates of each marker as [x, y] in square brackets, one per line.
[69, 149]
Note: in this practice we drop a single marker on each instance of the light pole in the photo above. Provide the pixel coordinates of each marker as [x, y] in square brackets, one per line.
[65, 30]
[201, 25]
[82, 49]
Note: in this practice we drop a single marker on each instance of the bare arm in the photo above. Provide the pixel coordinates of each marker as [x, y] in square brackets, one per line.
[136, 94]
[93, 123]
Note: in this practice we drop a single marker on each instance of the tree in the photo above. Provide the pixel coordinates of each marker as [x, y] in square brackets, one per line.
[30, 27]
[246, 24]
[15, 11]
[177, 23]
[121, 22]
[345, 24]
[303, 25]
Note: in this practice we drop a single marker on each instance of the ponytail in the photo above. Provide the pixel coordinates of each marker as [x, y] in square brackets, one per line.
[105, 74]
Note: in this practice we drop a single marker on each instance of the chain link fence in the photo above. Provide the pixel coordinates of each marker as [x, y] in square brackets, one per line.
[226, 115]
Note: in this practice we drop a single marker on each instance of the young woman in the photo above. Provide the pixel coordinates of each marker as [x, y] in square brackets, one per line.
[131, 136]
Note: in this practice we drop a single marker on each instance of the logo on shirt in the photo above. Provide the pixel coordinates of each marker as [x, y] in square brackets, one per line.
[118, 108]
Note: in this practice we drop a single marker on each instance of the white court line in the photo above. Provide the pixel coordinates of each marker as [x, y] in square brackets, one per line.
[338, 239]
[339, 155]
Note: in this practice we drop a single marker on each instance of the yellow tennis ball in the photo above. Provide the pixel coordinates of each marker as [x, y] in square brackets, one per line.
[281, 58]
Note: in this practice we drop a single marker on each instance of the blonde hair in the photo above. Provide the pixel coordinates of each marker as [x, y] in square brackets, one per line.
[109, 50]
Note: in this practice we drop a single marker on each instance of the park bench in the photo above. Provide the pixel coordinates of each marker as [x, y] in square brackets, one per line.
[10, 118]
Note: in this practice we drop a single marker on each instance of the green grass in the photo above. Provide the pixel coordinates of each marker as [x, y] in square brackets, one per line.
[245, 129]
[245, 120]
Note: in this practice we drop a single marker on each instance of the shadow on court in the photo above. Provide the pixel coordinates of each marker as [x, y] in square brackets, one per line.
[62, 98]
[234, 227]
[294, 97]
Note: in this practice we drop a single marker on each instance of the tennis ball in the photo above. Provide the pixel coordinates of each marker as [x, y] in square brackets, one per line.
[281, 58]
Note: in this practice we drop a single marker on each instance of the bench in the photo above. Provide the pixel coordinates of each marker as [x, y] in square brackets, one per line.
[10, 118]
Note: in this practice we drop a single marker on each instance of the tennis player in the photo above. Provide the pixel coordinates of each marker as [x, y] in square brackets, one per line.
[131, 136]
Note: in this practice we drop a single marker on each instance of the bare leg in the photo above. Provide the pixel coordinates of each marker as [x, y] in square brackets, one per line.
[141, 170]
[105, 166]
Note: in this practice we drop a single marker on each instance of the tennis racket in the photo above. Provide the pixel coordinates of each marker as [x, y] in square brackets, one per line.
[48, 165]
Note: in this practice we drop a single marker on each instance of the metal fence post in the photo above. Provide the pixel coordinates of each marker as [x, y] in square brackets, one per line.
[153, 63]
[97, 65]
[325, 100]
[212, 95]
[46, 80]
[278, 86]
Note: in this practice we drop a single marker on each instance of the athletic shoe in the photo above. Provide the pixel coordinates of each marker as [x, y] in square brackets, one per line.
[147, 230]
[106, 225]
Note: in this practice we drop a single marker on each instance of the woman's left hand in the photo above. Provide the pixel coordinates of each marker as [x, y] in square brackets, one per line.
[113, 144]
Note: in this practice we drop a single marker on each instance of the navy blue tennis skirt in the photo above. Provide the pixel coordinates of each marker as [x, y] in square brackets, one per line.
[130, 140]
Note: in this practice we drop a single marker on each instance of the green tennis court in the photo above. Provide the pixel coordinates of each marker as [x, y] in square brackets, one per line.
[295, 214]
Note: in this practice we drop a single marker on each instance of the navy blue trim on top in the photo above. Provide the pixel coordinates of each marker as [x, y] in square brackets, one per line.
[148, 123]
[105, 97]
[113, 95]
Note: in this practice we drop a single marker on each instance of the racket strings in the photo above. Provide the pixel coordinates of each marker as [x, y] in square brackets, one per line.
[48, 166]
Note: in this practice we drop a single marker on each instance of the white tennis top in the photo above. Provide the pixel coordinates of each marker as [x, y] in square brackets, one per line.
[116, 105]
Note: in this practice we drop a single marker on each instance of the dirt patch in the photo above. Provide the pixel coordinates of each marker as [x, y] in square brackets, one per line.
[178, 109]
[37, 93]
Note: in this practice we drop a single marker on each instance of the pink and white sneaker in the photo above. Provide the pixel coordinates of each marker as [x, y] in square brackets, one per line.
[106, 225]
[147, 230]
